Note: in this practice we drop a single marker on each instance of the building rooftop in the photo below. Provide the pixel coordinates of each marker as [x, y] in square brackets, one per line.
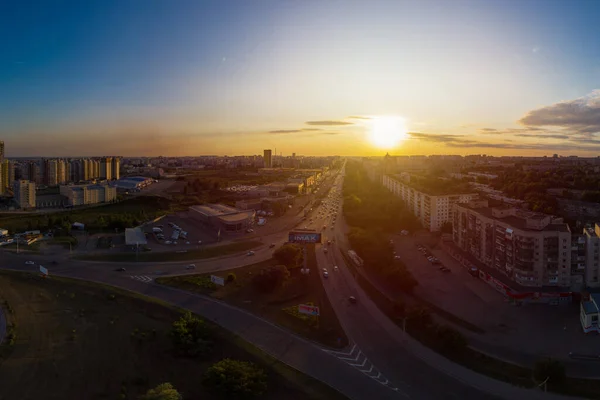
[134, 236]
[437, 190]
[589, 307]
[214, 210]
[518, 221]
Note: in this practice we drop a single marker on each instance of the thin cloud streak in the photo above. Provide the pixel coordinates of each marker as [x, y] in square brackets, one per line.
[328, 123]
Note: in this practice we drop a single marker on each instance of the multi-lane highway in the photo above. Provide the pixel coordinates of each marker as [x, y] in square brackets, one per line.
[381, 361]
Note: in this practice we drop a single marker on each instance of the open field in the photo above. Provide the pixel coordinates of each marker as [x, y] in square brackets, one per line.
[278, 306]
[78, 340]
[195, 254]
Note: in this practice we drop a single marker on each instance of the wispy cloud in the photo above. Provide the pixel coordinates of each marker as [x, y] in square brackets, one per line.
[439, 138]
[328, 123]
[542, 136]
[358, 117]
[311, 129]
[286, 131]
[578, 116]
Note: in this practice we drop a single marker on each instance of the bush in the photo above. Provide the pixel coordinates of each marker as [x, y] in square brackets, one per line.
[231, 277]
[236, 379]
[164, 391]
[549, 368]
[270, 278]
[449, 340]
[418, 318]
[191, 336]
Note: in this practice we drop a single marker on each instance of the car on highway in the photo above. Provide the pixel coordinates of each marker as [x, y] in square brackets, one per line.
[249, 230]
[190, 266]
[29, 263]
[352, 299]
[335, 268]
[444, 269]
[250, 253]
[329, 242]
[272, 245]
[325, 274]
[325, 249]
[120, 269]
[397, 258]
[199, 241]
[168, 242]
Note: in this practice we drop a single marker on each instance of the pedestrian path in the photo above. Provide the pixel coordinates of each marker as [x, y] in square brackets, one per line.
[142, 278]
[357, 359]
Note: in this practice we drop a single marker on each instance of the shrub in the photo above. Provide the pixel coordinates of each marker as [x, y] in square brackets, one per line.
[418, 318]
[270, 278]
[236, 379]
[191, 336]
[449, 340]
[164, 391]
[289, 255]
[231, 277]
[549, 368]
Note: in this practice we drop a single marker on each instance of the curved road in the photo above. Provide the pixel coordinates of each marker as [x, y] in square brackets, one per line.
[381, 362]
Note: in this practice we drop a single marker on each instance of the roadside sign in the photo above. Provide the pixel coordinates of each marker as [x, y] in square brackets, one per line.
[43, 271]
[309, 310]
[217, 280]
[304, 237]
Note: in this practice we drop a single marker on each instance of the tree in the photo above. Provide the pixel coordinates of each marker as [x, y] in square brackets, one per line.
[164, 391]
[270, 278]
[236, 379]
[191, 336]
[418, 318]
[289, 255]
[449, 340]
[549, 368]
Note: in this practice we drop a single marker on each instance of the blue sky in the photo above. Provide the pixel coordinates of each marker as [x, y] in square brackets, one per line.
[234, 77]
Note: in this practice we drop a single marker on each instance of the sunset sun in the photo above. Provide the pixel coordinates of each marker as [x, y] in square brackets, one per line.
[387, 132]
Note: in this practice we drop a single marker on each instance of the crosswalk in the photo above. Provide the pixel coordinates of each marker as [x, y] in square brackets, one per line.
[357, 359]
[142, 278]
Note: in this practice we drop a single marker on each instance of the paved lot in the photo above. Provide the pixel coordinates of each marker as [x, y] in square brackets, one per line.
[530, 329]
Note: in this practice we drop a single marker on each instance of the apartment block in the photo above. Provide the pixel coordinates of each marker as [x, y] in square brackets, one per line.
[116, 168]
[24, 193]
[78, 195]
[531, 249]
[50, 172]
[592, 257]
[433, 210]
[7, 169]
[106, 168]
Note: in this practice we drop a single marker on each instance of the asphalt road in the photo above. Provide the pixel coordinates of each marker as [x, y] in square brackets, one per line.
[378, 364]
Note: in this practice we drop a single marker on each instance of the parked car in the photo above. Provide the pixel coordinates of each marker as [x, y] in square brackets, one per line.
[29, 263]
[191, 266]
[120, 269]
[250, 253]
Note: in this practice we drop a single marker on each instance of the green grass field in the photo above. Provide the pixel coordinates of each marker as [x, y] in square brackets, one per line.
[279, 306]
[79, 340]
[208, 252]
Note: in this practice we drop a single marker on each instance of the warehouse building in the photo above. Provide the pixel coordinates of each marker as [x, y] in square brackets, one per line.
[223, 218]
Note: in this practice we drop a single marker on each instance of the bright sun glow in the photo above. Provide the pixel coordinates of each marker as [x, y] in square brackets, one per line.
[387, 132]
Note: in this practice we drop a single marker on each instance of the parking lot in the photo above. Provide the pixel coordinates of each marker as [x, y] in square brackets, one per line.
[532, 328]
[197, 233]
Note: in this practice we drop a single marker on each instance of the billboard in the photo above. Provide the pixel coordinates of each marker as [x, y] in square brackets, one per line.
[43, 271]
[309, 310]
[217, 280]
[304, 237]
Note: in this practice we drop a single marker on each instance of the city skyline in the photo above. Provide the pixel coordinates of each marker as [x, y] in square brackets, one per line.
[312, 78]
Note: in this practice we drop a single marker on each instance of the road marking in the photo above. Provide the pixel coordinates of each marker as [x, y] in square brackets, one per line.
[366, 366]
[142, 278]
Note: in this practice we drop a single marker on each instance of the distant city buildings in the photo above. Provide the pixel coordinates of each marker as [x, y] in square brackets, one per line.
[79, 195]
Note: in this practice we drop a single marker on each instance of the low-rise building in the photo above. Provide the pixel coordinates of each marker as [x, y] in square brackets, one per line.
[589, 311]
[433, 210]
[223, 218]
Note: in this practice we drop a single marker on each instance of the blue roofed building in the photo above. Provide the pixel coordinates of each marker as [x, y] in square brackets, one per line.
[589, 313]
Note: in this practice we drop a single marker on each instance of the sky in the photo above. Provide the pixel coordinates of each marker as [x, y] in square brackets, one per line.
[313, 77]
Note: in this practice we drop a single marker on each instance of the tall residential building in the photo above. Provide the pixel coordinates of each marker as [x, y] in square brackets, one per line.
[24, 193]
[7, 175]
[592, 257]
[433, 210]
[267, 159]
[50, 172]
[1, 151]
[31, 172]
[95, 173]
[531, 249]
[106, 168]
[61, 172]
[116, 168]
